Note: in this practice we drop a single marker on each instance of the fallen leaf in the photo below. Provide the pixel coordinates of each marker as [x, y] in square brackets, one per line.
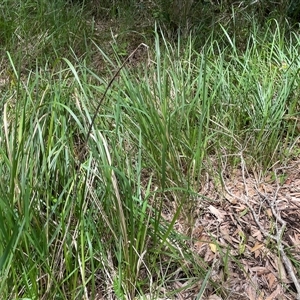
[232, 200]
[274, 295]
[269, 212]
[257, 254]
[256, 247]
[288, 181]
[271, 279]
[258, 235]
[213, 248]
[295, 241]
[214, 297]
[251, 292]
[217, 213]
[252, 192]
[209, 255]
[260, 270]
[197, 232]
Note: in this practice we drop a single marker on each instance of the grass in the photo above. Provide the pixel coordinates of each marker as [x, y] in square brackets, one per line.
[84, 213]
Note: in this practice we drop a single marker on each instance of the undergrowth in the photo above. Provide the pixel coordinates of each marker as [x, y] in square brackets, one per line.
[86, 215]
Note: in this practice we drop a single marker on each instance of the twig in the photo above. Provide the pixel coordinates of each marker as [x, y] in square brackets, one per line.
[107, 88]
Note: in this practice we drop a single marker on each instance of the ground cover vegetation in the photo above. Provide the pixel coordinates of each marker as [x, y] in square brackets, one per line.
[149, 150]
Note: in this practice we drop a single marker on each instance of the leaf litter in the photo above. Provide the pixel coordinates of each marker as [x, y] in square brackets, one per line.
[250, 233]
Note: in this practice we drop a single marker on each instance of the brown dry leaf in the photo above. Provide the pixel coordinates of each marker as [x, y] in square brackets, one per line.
[295, 240]
[256, 247]
[276, 293]
[257, 254]
[227, 238]
[270, 266]
[288, 181]
[198, 231]
[209, 255]
[240, 207]
[261, 297]
[214, 297]
[268, 179]
[201, 242]
[260, 270]
[271, 279]
[251, 292]
[269, 212]
[252, 192]
[217, 213]
[258, 235]
[232, 200]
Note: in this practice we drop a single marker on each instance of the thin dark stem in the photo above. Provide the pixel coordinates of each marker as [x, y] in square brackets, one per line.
[106, 90]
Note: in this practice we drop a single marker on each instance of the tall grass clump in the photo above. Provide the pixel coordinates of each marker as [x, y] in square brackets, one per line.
[260, 100]
[38, 168]
[191, 104]
[80, 213]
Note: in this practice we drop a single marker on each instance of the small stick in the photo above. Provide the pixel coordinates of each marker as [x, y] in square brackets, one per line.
[106, 90]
